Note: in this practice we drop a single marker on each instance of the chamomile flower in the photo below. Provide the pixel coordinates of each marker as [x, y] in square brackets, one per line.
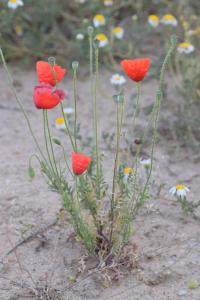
[146, 162]
[108, 2]
[60, 123]
[153, 20]
[179, 190]
[169, 20]
[19, 30]
[80, 36]
[13, 4]
[185, 47]
[68, 110]
[127, 173]
[103, 40]
[118, 32]
[117, 79]
[99, 20]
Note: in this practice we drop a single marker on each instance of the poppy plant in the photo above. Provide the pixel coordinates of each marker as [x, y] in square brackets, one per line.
[136, 69]
[80, 162]
[46, 75]
[46, 97]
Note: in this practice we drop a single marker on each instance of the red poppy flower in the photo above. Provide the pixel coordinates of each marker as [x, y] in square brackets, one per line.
[80, 162]
[136, 69]
[46, 75]
[46, 97]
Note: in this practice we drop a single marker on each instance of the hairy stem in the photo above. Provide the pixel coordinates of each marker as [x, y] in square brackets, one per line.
[50, 141]
[120, 113]
[156, 110]
[67, 127]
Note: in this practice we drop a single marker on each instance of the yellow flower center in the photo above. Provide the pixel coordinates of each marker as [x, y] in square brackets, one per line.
[13, 1]
[59, 121]
[101, 37]
[180, 187]
[18, 29]
[99, 18]
[117, 29]
[117, 77]
[128, 170]
[169, 17]
[154, 18]
[184, 45]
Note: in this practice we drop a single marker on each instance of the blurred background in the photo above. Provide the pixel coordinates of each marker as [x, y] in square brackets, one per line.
[32, 30]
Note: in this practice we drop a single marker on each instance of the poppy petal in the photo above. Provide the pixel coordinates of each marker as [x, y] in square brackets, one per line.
[136, 69]
[46, 75]
[80, 162]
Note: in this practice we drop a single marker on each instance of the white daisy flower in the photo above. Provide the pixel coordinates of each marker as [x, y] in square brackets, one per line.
[108, 2]
[60, 123]
[169, 20]
[99, 20]
[68, 110]
[146, 162]
[118, 32]
[103, 40]
[13, 4]
[179, 190]
[153, 20]
[80, 36]
[185, 47]
[117, 79]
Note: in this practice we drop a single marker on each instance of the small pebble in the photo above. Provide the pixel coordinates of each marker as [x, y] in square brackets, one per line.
[182, 292]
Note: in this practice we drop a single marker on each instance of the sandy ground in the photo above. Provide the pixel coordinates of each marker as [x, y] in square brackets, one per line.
[168, 242]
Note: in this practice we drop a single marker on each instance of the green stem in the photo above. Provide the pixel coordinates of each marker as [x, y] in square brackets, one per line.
[75, 105]
[156, 111]
[67, 127]
[116, 163]
[95, 119]
[20, 104]
[136, 103]
[46, 142]
[50, 141]
[65, 158]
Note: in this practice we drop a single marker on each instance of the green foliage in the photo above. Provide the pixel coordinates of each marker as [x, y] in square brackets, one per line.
[188, 207]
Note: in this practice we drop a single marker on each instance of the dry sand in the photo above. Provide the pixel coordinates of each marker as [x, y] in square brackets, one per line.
[168, 242]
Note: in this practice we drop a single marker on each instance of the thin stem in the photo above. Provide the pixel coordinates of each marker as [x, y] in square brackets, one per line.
[95, 118]
[20, 104]
[75, 105]
[50, 141]
[116, 163]
[65, 158]
[67, 127]
[46, 142]
[136, 103]
[156, 110]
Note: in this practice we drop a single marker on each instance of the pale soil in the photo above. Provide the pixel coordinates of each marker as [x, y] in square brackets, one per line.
[168, 242]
